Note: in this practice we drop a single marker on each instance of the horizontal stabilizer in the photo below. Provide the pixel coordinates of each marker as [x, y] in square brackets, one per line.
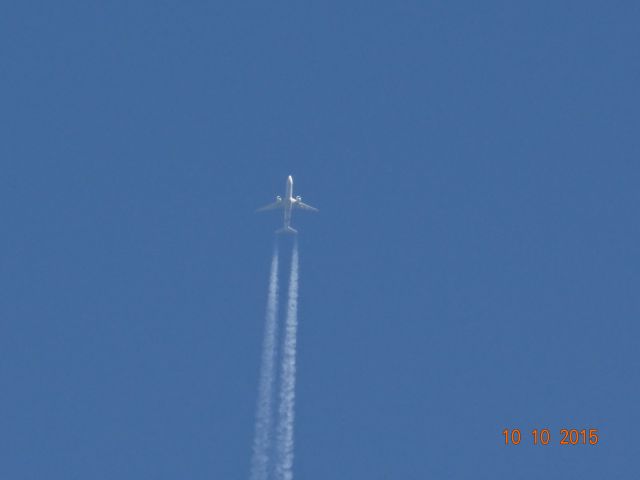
[287, 230]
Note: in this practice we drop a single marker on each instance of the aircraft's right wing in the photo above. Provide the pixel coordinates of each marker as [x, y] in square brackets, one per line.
[304, 206]
[271, 206]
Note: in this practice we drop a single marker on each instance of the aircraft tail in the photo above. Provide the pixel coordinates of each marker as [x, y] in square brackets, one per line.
[288, 230]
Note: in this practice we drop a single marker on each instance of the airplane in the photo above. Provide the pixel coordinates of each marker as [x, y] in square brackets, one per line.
[288, 203]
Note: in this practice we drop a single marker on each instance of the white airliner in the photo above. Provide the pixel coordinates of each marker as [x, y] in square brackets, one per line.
[288, 203]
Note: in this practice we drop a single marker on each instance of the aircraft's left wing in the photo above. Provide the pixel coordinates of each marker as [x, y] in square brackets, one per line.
[271, 206]
[304, 206]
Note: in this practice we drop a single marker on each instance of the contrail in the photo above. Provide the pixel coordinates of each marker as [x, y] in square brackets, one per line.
[284, 461]
[264, 410]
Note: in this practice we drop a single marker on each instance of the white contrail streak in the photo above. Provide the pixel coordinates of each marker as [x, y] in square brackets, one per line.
[284, 462]
[264, 410]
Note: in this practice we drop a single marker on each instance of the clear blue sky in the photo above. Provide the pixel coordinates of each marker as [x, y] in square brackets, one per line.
[475, 264]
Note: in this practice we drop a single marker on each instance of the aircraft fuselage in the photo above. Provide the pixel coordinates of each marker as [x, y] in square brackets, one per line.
[288, 203]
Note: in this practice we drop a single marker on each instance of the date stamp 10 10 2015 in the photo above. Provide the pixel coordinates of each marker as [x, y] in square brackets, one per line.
[573, 436]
